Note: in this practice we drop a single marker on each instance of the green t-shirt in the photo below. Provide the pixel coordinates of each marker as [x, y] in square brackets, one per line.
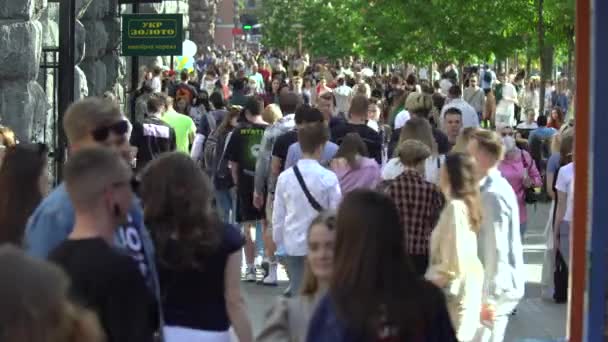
[184, 128]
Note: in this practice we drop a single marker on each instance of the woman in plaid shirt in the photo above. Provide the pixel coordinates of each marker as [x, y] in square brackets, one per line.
[418, 201]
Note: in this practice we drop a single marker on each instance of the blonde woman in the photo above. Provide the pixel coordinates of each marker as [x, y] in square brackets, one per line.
[272, 113]
[288, 319]
[454, 265]
[463, 140]
[416, 129]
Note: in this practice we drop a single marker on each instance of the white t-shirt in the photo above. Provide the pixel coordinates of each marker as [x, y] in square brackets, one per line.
[565, 183]
[505, 110]
[432, 166]
[343, 96]
[156, 85]
[402, 118]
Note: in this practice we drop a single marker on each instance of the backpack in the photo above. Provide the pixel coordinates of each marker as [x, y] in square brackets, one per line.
[215, 162]
[487, 76]
[183, 91]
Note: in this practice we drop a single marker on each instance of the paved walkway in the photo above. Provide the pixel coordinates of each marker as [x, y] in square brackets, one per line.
[536, 320]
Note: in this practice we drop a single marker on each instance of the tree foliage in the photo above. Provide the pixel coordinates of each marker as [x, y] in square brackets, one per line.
[416, 31]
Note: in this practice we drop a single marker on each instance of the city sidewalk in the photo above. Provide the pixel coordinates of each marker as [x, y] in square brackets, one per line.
[537, 320]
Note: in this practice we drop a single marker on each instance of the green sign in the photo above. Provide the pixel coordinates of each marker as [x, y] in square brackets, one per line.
[152, 34]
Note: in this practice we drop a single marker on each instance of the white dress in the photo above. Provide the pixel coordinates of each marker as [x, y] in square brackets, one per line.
[453, 256]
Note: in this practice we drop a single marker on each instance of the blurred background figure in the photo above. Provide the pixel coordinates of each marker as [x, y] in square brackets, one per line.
[24, 182]
[35, 305]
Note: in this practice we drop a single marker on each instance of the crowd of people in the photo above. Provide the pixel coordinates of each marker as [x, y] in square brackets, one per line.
[397, 205]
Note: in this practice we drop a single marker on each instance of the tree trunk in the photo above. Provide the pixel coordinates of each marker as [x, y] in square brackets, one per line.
[528, 63]
[541, 49]
[203, 14]
[571, 69]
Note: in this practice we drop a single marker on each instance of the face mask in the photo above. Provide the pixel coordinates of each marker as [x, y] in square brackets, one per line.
[509, 143]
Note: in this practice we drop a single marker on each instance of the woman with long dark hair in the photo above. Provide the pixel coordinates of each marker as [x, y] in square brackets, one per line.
[375, 295]
[556, 120]
[198, 257]
[23, 184]
[216, 164]
[454, 264]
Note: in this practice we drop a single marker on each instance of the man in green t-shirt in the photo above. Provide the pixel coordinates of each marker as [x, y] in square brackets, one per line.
[184, 127]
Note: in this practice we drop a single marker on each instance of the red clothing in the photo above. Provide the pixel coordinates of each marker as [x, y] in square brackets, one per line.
[419, 204]
[554, 124]
[265, 74]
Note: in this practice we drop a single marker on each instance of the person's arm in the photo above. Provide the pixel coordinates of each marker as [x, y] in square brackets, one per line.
[549, 184]
[235, 304]
[276, 326]
[192, 132]
[560, 211]
[279, 212]
[173, 137]
[493, 245]
[447, 268]
[262, 165]
[234, 171]
[335, 195]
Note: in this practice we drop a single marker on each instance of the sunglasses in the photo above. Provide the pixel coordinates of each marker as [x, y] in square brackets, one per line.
[102, 133]
[507, 134]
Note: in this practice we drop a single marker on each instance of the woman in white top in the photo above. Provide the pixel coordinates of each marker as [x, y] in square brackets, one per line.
[565, 206]
[416, 129]
[454, 265]
[505, 110]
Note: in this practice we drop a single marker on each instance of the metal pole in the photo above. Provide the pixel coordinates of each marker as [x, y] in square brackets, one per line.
[578, 243]
[67, 42]
[596, 288]
[134, 67]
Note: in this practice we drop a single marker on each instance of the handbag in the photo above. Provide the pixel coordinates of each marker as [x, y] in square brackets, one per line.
[313, 202]
[530, 195]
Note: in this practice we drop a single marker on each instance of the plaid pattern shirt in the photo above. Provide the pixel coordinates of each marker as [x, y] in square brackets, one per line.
[419, 204]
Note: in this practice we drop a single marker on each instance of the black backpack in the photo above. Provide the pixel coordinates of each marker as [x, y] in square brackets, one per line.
[215, 162]
[487, 76]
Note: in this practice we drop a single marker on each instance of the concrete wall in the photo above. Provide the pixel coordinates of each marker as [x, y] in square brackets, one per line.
[23, 105]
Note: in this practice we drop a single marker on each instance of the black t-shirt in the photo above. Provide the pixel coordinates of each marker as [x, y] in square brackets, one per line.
[372, 139]
[243, 148]
[281, 145]
[110, 284]
[443, 143]
[194, 298]
[152, 137]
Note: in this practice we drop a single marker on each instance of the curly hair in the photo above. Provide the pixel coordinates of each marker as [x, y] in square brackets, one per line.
[177, 199]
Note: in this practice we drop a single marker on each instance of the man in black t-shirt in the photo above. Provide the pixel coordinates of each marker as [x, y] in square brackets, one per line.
[153, 136]
[305, 114]
[358, 124]
[242, 153]
[103, 279]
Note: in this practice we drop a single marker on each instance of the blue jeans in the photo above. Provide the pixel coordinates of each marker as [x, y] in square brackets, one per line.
[259, 239]
[224, 201]
[295, 267]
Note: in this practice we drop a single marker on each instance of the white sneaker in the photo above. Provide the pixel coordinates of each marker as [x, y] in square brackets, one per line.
[250, 275]
[271, 278]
